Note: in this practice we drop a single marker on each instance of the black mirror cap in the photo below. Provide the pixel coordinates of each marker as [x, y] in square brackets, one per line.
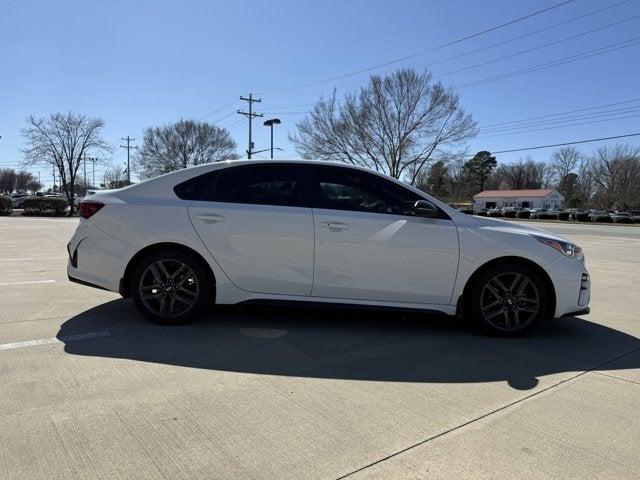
[424, 208]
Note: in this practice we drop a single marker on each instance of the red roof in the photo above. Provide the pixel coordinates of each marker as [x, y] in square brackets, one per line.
[515, 193]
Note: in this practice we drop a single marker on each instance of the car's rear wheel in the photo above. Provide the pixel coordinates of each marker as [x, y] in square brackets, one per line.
[170, 287]
[508, 300]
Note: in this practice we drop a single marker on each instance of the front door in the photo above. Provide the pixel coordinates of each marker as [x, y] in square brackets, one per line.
[252, 222]
[370, 245]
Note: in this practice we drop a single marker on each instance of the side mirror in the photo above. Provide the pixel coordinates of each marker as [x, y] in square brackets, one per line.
[426, 209]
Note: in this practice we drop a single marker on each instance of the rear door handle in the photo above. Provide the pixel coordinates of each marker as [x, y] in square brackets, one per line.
[335, 225]
[209, 217]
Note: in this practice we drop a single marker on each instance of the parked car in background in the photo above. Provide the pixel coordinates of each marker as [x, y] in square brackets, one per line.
[277, 231]
[17, 199]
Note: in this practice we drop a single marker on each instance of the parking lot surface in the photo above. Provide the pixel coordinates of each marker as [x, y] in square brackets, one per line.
[89, 389]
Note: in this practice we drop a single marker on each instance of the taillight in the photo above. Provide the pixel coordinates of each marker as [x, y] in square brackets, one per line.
[88, 209]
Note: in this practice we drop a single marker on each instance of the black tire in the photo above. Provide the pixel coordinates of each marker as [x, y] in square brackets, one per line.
[181, 298]
[509, 312]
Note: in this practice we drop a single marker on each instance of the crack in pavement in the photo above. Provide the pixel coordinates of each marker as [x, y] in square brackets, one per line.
[483, 416]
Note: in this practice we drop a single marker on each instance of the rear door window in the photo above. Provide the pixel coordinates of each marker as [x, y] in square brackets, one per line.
[274, 184]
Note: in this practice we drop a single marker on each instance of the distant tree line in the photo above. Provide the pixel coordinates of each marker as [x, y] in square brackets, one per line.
[19, 181]
[609, 177]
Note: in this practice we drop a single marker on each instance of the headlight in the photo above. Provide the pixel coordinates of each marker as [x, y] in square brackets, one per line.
[566, 248]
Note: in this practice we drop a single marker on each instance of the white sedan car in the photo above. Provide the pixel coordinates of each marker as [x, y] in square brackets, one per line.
[301, 231]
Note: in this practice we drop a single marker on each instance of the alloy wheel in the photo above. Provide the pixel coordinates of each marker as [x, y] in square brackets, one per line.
[168, 288]
[510, 301]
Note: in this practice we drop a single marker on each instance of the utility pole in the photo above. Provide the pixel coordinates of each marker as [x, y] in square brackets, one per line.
[93, 171]
[250, 115]
[84, 173]
[128, 146]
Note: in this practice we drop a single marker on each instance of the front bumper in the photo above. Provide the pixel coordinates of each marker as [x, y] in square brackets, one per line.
[572, 285]
[577, 313]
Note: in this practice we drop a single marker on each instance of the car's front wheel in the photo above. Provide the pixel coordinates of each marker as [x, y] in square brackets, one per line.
[508, 300]
[170, 287]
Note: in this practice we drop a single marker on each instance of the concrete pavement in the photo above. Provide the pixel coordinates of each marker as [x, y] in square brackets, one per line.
[92, 390]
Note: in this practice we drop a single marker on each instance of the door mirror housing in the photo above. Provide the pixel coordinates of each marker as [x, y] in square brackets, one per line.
[424, 208]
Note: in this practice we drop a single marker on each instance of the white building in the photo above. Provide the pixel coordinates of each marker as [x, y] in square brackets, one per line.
[548, 199]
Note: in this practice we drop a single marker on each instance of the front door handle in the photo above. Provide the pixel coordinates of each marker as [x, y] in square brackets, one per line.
[209, 217]
[335, 225]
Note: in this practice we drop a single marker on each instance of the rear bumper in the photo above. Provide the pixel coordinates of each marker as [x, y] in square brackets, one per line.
[82, 282]
[97, 259]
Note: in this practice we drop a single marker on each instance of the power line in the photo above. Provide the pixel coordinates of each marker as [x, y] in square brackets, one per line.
[525, 35]
[222, 107]
[235, 124]
[559, 126]
[545, 45]
[591, 140]
[504, 57]
[561, 61]
[563, 113]
[584, 116]
[447, 44]
[222, 118]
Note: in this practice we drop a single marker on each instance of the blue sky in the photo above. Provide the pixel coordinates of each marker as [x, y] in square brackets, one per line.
[142, 63]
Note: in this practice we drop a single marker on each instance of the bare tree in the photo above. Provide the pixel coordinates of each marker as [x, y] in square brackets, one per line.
[7, 180]
[23, 180]
[34, 186]
[617, 176]
[522, 174]
[562, 170]
[115, 178]
[181, 145]
[395, 125]
[62, 140]
[564, 161]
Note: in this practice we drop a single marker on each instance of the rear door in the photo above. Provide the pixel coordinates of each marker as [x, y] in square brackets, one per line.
[252, 221]
[370, 245]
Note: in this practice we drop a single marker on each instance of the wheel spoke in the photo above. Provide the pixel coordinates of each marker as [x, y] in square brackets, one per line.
[189, 293]
[185, 300]
[182, 269]
[523, 285]
[493, 290]
[163, 305]
[528, 309]
[495, 313]
[155, 273]
[491, 305]
[507, 322]
[149, 287]
[516, 318]
[529, 300]
[149, 296]
[514, 284]
[172, 304]
[163, 269]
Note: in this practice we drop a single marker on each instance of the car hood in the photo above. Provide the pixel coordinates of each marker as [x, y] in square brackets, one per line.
[514, 227]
